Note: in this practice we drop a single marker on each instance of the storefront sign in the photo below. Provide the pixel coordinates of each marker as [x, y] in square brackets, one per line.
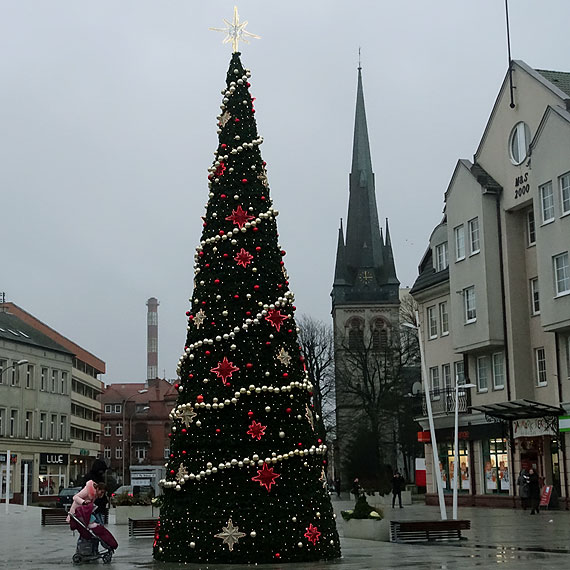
[564, 423]
[13, 458]
[532, 427]
[54, 459]
[546, 494]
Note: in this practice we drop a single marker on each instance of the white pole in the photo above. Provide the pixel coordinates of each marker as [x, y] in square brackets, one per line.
[8, 481]
[25, 486]
[438, 481]
[456, 449]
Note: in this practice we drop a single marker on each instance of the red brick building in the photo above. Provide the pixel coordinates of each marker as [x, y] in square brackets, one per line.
[136, 425]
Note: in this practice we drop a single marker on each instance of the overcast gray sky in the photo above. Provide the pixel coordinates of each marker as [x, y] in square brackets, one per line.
[108, 124]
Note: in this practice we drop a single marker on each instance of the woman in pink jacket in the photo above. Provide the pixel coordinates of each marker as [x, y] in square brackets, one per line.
[87, 495]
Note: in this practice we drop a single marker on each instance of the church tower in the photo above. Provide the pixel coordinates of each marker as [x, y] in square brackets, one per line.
[365, 293]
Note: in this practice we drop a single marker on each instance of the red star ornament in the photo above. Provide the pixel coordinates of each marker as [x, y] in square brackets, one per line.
[266, 477]
[220, 170]
[239, 217]
[275, 318]
[312, 534]
[256, 430]
[224, 370]
[243, 258]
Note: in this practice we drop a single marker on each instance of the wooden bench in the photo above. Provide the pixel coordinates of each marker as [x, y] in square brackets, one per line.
[54, 516]
[422, 531]
[141, 528]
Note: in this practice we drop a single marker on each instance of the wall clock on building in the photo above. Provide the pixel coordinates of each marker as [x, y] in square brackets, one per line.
[519, 141]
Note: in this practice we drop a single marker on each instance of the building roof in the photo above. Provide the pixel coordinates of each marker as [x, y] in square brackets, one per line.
[559, 78]
[428, 276]
[79, 352]
[157, 389]
[14, 329]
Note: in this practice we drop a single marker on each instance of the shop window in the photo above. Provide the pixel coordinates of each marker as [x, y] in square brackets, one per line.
[496, 467]
[447, 466]
[52, 478]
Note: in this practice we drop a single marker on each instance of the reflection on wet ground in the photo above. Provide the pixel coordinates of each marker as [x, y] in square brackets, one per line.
[497, 536]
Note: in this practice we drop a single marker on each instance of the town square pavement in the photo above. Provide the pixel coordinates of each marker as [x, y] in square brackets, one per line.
[505, 537]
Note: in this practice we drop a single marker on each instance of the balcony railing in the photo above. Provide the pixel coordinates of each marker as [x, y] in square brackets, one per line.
[443, 401]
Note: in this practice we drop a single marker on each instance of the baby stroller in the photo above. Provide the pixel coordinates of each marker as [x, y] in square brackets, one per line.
[90, 538]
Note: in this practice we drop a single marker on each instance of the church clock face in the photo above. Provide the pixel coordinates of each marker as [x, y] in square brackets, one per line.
[365, 276]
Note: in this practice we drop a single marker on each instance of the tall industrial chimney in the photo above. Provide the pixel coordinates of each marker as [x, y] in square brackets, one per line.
[152, 339]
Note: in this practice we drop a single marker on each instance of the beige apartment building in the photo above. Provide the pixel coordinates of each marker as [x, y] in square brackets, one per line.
[494, 297]
[49, 406]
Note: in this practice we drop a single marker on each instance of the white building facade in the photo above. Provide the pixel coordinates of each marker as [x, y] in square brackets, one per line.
[494, 296]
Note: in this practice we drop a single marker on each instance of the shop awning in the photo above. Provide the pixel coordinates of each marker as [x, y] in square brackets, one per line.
[519, 410]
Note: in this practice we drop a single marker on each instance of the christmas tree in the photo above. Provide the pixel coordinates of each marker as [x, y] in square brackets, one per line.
[246, 478]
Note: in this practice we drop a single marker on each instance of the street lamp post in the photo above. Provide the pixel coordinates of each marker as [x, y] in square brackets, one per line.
[143, 391]
[14, 366]
[456, 442]
[438, 481]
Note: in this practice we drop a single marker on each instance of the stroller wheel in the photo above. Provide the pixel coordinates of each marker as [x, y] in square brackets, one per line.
[107, 557]
[76, 558]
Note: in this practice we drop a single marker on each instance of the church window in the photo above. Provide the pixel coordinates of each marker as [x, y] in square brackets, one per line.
[380, 330]
[355, 334]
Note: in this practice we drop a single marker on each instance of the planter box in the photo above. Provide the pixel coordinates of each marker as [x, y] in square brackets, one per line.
[125, 512]
[367, 529]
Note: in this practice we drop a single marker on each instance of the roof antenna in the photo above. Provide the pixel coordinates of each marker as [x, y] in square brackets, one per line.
[512, 104]
[359, 66]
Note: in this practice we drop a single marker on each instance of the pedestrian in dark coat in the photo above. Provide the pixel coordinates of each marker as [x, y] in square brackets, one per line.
[397, 483]
[356, 488]
[523, 481]
[534, 491]
[97, 472]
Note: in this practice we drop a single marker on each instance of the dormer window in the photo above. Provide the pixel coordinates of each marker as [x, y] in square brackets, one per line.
[441, 259]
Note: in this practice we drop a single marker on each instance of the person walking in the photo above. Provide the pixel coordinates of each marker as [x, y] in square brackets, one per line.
[523, 482]
[356, 488]
[534, 491]
[397, 482]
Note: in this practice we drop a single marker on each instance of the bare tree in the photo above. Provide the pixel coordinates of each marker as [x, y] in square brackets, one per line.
[316, 340]
[374, 413]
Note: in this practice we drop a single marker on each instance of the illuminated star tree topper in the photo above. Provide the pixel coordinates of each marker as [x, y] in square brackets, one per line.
[235, 32]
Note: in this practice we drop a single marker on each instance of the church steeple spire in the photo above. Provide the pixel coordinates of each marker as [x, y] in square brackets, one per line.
[364, 264]
[363, 241]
